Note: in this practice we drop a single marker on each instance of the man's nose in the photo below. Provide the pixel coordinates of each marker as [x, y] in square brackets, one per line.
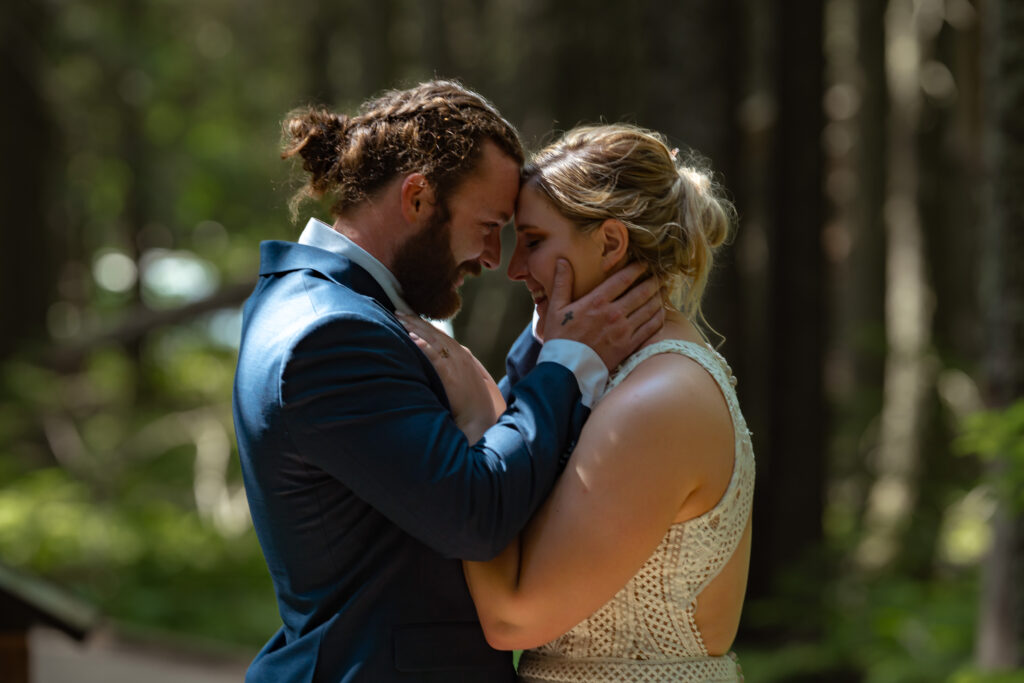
[491, 255]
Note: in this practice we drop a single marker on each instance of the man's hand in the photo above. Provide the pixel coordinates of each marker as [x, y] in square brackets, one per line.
[614, 318]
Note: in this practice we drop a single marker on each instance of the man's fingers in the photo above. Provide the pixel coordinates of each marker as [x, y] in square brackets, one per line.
[647, 309]
[651, 313]
[561, 291]
[612, 288]
[640, 295]
[649, 328]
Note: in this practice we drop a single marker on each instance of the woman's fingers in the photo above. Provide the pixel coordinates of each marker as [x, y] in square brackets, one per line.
[434, 343]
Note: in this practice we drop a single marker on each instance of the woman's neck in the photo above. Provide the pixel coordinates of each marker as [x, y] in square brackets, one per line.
[677, 326]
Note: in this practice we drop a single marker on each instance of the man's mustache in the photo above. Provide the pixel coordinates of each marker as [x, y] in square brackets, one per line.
[470, 267]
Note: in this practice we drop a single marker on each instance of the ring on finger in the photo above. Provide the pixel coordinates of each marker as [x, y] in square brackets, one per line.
[444, 352]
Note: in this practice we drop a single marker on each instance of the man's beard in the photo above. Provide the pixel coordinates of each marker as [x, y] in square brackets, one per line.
[426, 269]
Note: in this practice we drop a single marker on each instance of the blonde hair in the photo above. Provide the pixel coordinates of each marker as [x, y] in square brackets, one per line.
[674, 212]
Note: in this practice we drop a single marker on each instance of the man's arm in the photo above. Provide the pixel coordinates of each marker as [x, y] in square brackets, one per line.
[520, 360]
[359, 405]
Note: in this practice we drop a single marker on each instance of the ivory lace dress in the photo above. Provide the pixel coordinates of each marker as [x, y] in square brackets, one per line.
[647, 632]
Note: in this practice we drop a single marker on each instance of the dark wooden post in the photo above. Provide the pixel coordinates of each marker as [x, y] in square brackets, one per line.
[14, 656]
[25, 602]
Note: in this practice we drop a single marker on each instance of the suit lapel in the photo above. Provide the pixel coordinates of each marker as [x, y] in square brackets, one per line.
[281, 257]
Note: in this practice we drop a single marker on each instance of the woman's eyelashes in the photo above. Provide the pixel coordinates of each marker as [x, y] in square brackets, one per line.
[530, 241]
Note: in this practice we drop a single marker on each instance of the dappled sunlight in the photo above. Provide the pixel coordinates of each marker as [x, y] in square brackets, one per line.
[595, 457]
[224, 506]
[966, 532]
[175, 276]
[867, 303]
[114, 271]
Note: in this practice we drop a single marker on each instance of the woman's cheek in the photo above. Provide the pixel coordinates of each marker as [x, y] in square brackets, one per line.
[542, 270]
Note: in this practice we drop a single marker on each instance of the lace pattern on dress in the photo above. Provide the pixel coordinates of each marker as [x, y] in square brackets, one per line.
[647, 632]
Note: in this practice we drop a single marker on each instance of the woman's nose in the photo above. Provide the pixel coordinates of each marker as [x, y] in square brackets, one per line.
[517, 265]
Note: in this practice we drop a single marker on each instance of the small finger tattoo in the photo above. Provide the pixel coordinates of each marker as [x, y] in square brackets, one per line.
[568, 317]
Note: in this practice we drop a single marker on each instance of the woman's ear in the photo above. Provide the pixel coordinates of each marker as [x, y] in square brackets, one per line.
[615, 241]
[417, 198]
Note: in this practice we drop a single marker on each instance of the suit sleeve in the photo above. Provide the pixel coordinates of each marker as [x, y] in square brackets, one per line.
[358, 404]
[521, 358]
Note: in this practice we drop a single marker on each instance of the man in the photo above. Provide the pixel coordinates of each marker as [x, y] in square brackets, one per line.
[363, 491]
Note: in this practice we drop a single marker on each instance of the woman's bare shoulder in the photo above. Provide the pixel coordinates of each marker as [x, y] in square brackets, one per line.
[671, 384]
[670, 411]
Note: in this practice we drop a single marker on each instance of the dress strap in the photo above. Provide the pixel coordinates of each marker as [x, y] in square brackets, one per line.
[709, 359]
[705, 355]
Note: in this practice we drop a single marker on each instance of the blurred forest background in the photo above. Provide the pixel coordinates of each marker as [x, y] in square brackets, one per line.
[872, 301]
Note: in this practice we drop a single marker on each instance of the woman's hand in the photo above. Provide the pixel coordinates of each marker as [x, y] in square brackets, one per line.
[474, 397]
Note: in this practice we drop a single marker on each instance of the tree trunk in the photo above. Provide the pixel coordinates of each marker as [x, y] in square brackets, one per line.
[864, 335]
[948, 157]
[374, 21]
[909, 374]
[690, 92]
[28, 265]
[323, 21]
[1001, 612]
[791, 466]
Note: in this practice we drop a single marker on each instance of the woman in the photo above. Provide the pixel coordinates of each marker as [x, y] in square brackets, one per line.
[636, 565]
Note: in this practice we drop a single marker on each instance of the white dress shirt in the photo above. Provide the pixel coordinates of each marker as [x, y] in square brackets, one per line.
[590, 371]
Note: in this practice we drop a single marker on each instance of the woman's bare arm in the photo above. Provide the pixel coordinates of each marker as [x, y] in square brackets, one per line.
[642, 457]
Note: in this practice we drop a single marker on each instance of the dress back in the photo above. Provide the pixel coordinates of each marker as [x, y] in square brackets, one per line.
[647, 631]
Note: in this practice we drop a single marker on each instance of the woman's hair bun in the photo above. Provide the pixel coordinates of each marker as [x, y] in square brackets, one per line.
[675, 213]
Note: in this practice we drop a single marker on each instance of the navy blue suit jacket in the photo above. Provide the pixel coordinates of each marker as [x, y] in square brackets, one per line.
[363, 491]
[521, 359]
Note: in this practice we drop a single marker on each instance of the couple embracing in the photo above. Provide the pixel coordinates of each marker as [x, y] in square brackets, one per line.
[418, 520]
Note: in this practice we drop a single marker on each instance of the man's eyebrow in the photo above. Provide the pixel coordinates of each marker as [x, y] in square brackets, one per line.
[497, 217]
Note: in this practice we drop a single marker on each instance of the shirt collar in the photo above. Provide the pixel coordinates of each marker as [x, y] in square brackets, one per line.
[319, 234]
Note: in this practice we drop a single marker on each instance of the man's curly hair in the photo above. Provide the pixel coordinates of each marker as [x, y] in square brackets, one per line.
[435, 128]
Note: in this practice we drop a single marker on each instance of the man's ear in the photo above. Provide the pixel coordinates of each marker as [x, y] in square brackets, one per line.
[615, 241]
[417, 198]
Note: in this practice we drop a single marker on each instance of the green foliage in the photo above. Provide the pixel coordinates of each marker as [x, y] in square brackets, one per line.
[997, 437]
[887, 629]
[974, 676]
[168, 117]
[119, 477]
[139, 559]
[120, 522]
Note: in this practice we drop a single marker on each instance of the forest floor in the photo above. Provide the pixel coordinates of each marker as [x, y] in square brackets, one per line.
[106, 657]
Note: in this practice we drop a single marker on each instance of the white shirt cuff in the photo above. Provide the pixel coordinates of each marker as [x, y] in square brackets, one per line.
[590, 371]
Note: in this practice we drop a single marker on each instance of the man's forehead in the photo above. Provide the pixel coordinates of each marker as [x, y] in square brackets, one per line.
[494, 183]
